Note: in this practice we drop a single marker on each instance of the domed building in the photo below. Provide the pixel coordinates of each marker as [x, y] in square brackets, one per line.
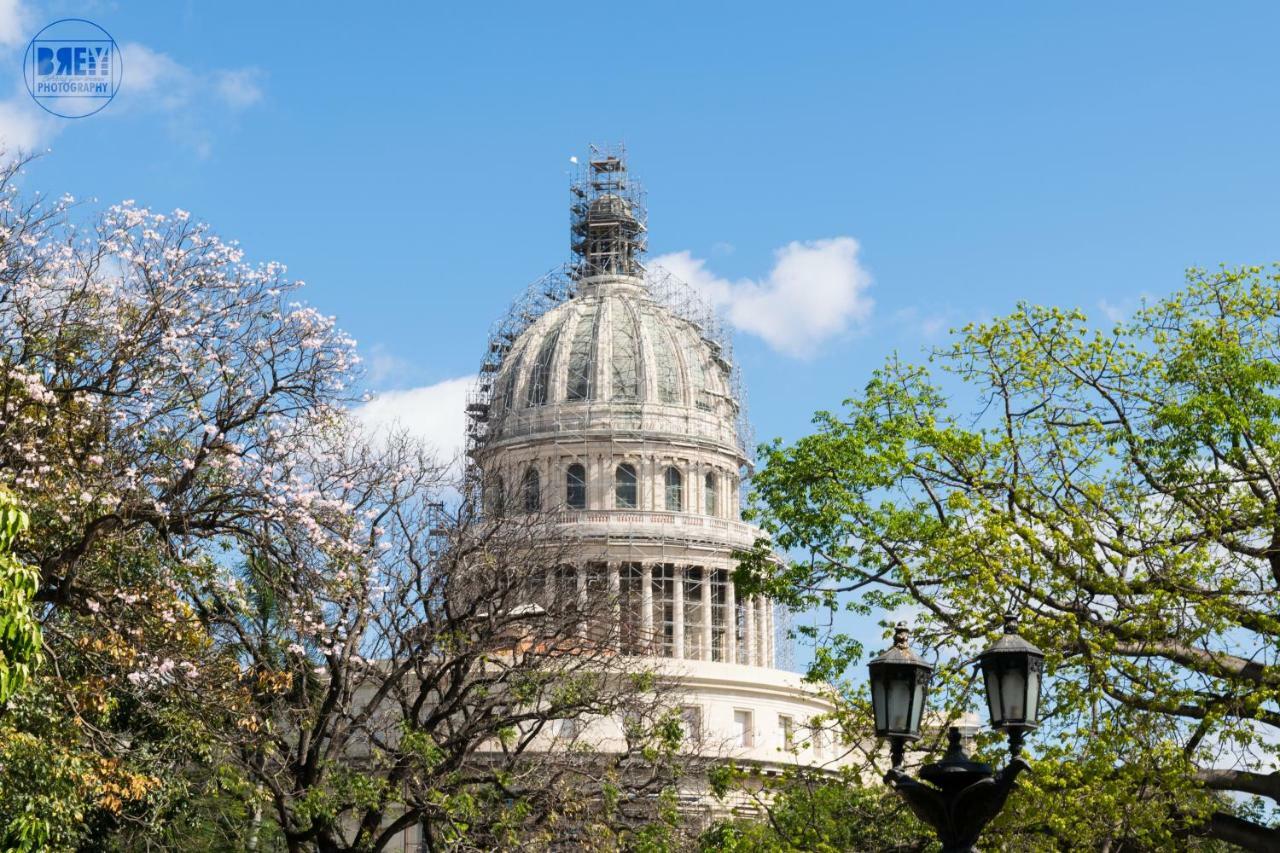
[607, 405]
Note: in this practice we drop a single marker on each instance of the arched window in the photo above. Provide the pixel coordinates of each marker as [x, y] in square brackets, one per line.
[575, 487]
[531, 490]
[709, 494]
[624, 487]
[675, 490]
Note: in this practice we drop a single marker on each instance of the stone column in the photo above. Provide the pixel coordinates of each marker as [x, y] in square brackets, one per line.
[762, 623]
[693, 483]
[677, 611]
[706, 614]
[596, 497]
[584, 625]
[615, 602]
[646, 606]
[731, 621]
[749, 630]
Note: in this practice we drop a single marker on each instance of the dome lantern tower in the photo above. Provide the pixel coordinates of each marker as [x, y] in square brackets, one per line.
[607, 217]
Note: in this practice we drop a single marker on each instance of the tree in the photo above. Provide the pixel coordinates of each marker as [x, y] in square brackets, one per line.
[19, 629]
[820, 813]
[1120, 490]
[260, 628]
[150, 382]
[427, 677]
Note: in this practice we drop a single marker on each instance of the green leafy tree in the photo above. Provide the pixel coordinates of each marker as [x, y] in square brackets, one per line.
[1120, 489]
[803, 811]
[19, 627]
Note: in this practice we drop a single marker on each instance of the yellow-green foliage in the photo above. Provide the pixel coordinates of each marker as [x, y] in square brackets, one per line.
[1120, 488]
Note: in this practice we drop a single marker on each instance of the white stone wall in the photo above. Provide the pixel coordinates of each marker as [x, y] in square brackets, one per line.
[720, 691]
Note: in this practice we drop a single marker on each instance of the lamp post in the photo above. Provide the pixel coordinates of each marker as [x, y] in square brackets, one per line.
[958, 796]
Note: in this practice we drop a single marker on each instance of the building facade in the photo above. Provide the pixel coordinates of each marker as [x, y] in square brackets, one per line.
[608, 406]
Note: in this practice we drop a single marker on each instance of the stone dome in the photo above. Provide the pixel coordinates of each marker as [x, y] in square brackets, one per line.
[609, 355]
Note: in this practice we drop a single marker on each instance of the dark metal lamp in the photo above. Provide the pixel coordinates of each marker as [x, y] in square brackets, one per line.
[958, 796]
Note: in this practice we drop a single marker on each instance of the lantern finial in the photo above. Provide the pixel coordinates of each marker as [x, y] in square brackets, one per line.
[1011, 622]
[901, 635]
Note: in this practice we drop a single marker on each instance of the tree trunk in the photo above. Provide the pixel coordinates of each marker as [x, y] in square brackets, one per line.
[1250, 836]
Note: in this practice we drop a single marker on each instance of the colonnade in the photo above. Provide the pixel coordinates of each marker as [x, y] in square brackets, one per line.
[686, 612]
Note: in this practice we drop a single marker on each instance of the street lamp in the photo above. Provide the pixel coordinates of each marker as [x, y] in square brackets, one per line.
[899, 688]
[1011, 671]
[958, 796]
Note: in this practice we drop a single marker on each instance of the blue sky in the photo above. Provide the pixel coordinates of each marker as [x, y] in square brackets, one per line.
[410, 161]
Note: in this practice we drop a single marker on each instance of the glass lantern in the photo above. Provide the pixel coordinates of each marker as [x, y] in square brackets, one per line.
[1012, 670]
[899, 688]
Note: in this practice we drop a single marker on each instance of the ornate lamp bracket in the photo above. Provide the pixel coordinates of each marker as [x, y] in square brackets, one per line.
[959, 797]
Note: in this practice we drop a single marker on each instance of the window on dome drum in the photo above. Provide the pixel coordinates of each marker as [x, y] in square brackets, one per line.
[664, 609]
[595, 587]
[819, 740]
[709, 494]
[531, 491]
[740, 629]
[691, 722]
[693, 617]
[540, 376]
[787, 725]
[564, 580]
[743, 728]
[536, 588]
[630, 602]
[719, 613]
[624, 486]
[575, 487]
[582, 358]
[675, 490]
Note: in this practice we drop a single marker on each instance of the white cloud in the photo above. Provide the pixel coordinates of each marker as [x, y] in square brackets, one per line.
[189, 100]
[23, 125]
[14, 20]
[815, 291]
[170, 85]
[239, 89]
[1113, 312]
[433, 413]
[383, 368]
[927, 326]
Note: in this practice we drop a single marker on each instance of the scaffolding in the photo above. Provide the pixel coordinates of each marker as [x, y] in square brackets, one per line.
[553, 289]
[607, 215]
[608, 226]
